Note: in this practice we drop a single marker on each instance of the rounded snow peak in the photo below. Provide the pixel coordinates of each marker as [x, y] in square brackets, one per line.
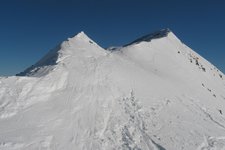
[149, 37]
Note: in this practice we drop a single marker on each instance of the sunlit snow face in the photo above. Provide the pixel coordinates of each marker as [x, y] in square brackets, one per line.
[155, 93]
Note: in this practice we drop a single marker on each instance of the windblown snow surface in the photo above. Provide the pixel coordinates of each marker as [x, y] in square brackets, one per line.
[153, 94]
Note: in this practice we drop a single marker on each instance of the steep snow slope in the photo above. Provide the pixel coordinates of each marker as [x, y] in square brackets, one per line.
[155, 93]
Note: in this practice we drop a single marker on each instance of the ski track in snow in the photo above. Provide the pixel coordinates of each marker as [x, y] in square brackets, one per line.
[212, 143]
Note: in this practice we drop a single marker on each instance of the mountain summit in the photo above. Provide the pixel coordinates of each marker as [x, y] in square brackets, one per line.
[68, 48]
[156, 35]
[155, 93]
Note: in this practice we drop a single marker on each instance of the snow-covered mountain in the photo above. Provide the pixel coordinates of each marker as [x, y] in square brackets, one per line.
[152, 94]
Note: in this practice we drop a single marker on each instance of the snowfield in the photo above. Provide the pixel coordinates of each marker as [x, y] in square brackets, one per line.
[152, 94]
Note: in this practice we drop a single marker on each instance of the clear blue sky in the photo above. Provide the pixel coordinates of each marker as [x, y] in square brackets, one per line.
[29, 28]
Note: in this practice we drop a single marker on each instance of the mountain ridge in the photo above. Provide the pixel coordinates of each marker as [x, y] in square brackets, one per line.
[53, 56]
[158, 95]
[148, 37]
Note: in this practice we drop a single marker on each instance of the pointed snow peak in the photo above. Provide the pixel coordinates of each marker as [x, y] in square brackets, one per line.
[155, 35]
[80, 36]
[73, 46]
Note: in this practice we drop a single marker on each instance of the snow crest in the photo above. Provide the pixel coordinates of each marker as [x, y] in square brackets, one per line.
[153, 94]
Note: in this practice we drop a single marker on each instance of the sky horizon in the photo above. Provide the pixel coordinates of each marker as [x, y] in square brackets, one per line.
[29, 29]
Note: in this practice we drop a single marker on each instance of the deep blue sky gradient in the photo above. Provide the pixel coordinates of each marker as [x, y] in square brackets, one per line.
[30, 28]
